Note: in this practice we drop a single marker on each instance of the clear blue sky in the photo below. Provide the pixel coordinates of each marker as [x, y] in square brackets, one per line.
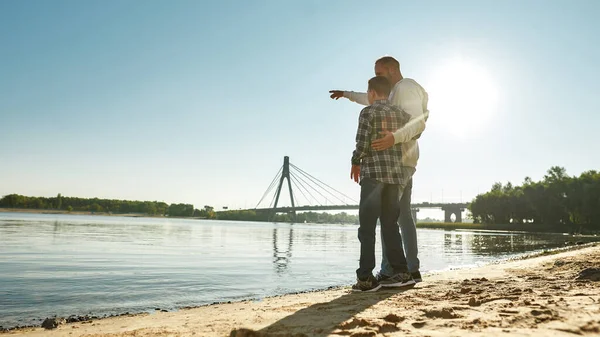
[198, 101]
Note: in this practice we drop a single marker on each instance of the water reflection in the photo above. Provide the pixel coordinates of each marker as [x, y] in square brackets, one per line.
[511, 243]
[500, 243]
[453, 243]
[282, 252]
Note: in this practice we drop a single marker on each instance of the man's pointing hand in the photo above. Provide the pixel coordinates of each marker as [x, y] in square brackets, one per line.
[336, 94]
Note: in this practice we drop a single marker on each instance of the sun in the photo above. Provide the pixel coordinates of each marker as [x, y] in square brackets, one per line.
[462, 97]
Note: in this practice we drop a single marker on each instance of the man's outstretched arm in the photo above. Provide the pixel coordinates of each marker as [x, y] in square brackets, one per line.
[411, 102]
[357, 97]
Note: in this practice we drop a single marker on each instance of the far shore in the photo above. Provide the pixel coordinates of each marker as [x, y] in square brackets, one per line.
[63, 212]
[539, 228]
[554, 293]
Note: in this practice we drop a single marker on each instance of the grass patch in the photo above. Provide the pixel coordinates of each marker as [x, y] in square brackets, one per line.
[451, 225]
[498, 227]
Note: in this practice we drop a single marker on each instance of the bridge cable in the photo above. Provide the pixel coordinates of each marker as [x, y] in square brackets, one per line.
[302, 189]
[294, 195]
[294, 176]
[319, 181]
[268, 190]
[323, 183]
[298, 188]
[300, 177]
[272, 204]
[270, 186]
[314, 199]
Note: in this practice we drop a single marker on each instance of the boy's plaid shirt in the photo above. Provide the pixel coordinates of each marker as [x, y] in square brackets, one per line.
[384, 166]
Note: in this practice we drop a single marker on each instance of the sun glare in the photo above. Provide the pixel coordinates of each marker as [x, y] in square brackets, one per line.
[462, 97]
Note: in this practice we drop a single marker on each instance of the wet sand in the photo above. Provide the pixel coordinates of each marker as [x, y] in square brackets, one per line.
[551, 295]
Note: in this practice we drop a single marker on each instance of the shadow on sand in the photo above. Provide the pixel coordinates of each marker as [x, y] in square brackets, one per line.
[322, 319]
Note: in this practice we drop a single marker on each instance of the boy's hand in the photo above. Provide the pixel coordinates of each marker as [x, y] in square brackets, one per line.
[383, 143]
[355, 173]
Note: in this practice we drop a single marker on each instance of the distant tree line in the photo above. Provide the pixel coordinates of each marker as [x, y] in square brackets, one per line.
[111, 206]
[558, 200]
[156, 208]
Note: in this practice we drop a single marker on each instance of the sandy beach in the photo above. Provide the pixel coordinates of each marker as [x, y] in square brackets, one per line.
[549, 295]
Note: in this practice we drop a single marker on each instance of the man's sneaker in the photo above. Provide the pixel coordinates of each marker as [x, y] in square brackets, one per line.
[398, 280]
[416, 276]
[380, 277]
[370, 284]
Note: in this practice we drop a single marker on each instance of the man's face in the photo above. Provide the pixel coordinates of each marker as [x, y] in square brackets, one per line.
[381, 70]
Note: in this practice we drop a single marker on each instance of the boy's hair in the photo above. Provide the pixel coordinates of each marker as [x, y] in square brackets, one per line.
[389, 61]
[380, 85]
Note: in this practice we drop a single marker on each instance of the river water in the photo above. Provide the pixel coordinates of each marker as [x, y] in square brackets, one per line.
[95, 265]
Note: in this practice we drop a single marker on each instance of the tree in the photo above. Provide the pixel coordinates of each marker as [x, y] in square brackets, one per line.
[94, 204]
[555, 174]
[182, 210]
[558, 200]
[95, 207]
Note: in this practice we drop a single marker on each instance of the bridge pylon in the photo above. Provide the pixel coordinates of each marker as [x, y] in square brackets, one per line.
[285, 174]
[455, 209]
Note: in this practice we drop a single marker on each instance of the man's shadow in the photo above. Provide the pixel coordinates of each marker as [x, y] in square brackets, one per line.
[321, 319]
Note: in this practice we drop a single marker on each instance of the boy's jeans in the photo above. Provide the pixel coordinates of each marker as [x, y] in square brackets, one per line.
[379, 200]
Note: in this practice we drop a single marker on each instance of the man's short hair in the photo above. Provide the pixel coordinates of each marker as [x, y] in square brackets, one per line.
[380, 85]
[388, 61]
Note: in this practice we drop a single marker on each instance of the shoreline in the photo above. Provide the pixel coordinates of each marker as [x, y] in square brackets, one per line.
[63, 212]
[88, 213]
[364, 314]
[420, 225]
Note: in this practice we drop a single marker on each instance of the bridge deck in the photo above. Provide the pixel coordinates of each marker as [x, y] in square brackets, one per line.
[352, 207]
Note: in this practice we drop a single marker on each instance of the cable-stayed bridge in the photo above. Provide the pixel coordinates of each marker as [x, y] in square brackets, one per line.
[315, 195]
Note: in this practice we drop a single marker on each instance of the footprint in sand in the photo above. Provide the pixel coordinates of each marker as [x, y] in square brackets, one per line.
[592, 274]
[388, 327]
[354, 323]
[591, 326]
[358, 323]
[419, 324]
[445, 313]
[392, 318]
[364, 334]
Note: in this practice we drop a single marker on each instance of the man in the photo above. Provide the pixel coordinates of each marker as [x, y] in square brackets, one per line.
[412, 98]
[382, 181]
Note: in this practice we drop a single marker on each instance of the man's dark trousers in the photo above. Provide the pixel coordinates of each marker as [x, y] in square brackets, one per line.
[379, 200]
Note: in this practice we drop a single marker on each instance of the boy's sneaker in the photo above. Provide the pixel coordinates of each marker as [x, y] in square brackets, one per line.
[398, 280]
[370, 284]
[380, 277]
[416, 276]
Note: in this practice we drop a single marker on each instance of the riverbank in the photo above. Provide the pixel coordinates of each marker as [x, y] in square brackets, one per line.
[548, 295]
[428, 225]
[63, 212]
[532, 228]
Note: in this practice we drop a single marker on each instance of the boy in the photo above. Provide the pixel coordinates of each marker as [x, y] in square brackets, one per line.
[382, 182]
